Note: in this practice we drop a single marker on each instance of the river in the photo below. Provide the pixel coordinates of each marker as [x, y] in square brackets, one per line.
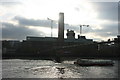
[21, 68]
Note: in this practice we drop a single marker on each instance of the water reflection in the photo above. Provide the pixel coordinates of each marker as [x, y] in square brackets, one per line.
[17, 68]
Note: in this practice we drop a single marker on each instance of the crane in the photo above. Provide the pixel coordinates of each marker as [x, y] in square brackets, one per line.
[51, 25]
[81, 28]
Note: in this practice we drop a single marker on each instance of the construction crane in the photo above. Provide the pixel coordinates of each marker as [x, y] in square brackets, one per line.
[81, 28]
[51, 25]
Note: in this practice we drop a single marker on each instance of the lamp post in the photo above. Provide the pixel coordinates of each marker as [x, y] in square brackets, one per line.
[51, 25]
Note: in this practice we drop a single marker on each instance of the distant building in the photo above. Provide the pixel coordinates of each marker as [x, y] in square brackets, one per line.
[117, 39]
[60, 40]
[70, 34]
[31, 38]
[70, 38]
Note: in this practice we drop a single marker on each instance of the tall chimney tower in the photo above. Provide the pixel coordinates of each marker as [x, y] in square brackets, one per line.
[61, 28]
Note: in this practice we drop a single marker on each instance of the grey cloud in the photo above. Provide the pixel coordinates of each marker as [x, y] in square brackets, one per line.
[10, 31]
[71, 27]
[112, 28]
[42, 23]
[108, 30]
[10, 4]
[32, 22]
[77, 28]
[106, 10]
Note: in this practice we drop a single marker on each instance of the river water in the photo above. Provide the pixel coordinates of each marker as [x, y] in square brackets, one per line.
[19, 68]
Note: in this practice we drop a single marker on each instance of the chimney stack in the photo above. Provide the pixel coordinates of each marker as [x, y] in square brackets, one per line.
[61, 28]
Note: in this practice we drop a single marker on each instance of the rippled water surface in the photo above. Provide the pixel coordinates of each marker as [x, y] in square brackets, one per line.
[18, 68]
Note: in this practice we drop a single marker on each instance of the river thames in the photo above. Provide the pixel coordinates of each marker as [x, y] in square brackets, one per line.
[23, 68]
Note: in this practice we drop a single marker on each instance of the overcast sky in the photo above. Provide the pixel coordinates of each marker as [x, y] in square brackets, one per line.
[21, 18]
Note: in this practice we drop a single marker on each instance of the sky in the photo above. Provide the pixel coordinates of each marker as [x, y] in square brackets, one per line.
[21, 18]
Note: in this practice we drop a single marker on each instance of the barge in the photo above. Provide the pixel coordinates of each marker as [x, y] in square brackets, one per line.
[94, 62]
